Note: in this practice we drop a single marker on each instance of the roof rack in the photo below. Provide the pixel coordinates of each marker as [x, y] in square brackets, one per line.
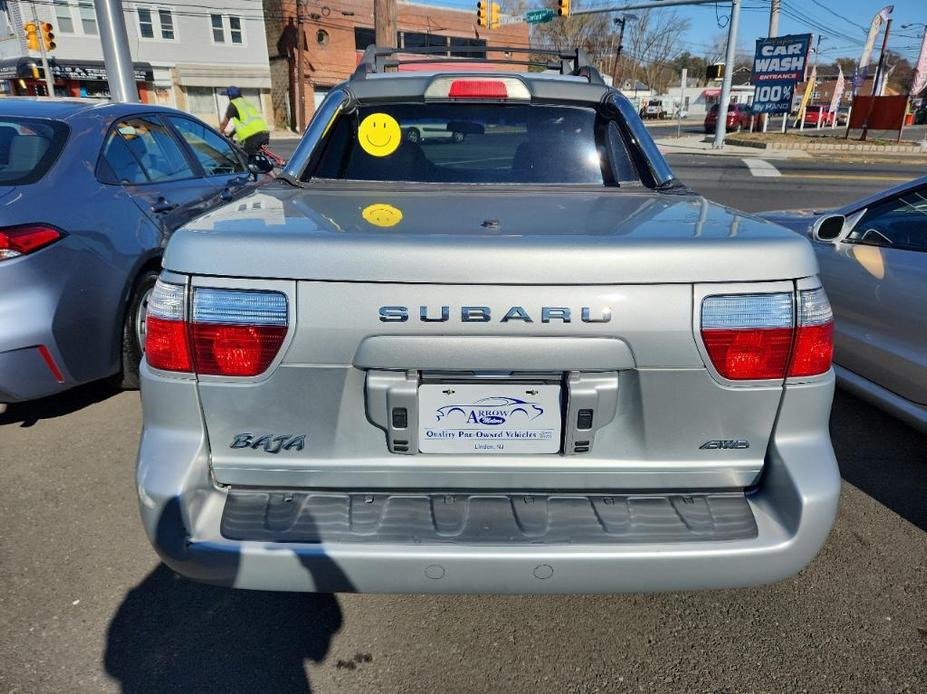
[571, 62]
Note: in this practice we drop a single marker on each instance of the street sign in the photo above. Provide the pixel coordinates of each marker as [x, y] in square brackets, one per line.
[773, 98]
[539, 16]
[780, 59]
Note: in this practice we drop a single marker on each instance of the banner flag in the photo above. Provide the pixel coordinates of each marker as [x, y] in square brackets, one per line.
[809, 90]
[859, 77]
[920, 71]
[839, 88]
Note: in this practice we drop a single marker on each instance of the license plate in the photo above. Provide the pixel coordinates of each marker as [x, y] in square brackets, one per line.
[491, 418]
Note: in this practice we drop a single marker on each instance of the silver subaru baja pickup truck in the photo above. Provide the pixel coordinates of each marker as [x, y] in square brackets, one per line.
[529, 361]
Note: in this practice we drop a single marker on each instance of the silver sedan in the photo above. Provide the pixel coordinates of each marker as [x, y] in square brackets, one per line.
[873, 258]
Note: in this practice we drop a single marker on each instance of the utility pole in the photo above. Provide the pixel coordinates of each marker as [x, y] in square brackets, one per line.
[620, 21]
[875, 82]
[49, 78]
[721, 128]
[119, 71]
[682, 101]
[774, 8]
[300, 84]
[384, 23]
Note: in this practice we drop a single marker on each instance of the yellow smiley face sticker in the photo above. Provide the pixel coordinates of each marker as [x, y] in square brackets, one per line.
[379, 134]
[382, 215]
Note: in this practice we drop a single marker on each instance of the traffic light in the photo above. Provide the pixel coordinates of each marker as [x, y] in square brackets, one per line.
[563, 8]
[715, 72]
[494, 11]
[482, 16]
[48, 36]
[32, 36]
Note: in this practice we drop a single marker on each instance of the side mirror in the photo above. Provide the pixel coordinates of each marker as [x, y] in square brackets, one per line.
[259, 164]
[829, 228]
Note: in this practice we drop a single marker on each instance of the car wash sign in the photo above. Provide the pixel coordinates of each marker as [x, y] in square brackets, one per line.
[778, 65]
[781, 59]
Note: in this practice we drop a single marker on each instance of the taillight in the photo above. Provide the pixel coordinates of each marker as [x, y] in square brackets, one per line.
[229, 332]
[754, 336]
[167, 344]
[478, 89]
[499, 88]
[23, 240]
[814, 339]
[237, 333]
[748, 336]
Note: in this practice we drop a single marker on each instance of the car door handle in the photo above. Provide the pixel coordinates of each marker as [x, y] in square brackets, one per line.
[162, 205]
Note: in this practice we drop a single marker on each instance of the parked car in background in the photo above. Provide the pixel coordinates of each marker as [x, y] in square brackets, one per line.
[90, 194]
[654, 109]
[873, 259]
[826, 118]
[738, 118]
[450, 132]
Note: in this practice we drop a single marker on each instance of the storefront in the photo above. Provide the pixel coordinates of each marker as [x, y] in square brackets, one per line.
[23, 76]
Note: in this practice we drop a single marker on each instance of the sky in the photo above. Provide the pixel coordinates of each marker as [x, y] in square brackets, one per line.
[842, 23]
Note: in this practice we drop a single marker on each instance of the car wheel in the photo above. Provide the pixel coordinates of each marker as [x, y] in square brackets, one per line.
[458, 137]
[133, 329]
[413, 135]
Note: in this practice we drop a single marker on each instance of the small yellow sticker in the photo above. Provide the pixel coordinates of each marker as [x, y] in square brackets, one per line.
[379, 134]
[382, 215]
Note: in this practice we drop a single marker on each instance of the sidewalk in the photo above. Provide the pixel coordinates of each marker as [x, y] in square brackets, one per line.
[696, 144]
[281, 134]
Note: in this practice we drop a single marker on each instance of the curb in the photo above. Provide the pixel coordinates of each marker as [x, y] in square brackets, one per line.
[828, 147]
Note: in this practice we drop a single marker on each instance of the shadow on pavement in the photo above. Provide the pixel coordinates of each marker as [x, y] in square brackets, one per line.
[26, 414]
[171, 634]
[881, 456]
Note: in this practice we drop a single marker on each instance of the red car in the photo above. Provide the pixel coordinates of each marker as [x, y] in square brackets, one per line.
[827, 118]
[738, 118]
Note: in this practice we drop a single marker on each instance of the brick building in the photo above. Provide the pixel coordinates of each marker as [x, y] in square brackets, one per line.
[334, 38]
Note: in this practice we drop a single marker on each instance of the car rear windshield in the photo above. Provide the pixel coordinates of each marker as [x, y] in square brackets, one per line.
[475, 143]
[28, 147]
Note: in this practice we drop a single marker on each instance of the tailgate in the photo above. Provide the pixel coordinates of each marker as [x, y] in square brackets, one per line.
[618, 370]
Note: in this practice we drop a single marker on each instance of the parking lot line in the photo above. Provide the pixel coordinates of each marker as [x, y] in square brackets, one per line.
[761, 168]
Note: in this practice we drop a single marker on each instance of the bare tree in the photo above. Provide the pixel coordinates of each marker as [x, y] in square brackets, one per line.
[651, 44]
[592, 33]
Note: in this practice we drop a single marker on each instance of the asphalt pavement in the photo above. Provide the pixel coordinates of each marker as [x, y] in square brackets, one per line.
[87, 607]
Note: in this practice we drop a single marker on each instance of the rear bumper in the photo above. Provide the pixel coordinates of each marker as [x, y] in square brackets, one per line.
[29, 296]
[793, 509]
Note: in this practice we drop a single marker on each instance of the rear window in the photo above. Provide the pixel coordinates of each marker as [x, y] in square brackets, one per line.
[475, 143]
[28, 148]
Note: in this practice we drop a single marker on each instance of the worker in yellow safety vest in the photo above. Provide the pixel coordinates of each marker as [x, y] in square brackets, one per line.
[251, 130]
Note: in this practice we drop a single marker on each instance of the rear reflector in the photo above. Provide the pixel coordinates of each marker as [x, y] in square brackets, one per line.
[232, 333]
[50, 363]
[23, 240]
[754, 337]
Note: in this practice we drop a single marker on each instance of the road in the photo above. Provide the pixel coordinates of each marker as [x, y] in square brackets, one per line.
[86, 606]
[784, 184]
